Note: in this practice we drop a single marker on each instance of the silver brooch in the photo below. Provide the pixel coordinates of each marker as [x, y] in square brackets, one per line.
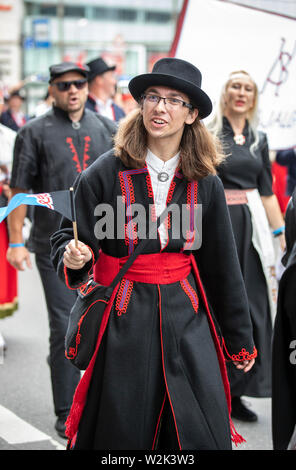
[76, 125]
[163, 176]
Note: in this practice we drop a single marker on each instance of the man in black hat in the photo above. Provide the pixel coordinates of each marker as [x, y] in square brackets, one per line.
[14, 117]
[160, 348]
[102, 89]
[50, 152]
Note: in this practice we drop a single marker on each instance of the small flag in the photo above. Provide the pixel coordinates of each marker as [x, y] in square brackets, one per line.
[58, 201]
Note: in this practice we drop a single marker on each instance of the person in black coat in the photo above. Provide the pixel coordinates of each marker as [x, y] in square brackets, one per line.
[13, 117]
[50, 151]
[284, 343]
[157, 379]
[287, 158]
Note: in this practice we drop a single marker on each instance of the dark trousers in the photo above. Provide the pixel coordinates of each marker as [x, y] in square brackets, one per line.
[59, 300]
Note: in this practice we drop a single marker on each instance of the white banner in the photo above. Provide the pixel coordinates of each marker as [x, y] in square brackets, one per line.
[220, 37]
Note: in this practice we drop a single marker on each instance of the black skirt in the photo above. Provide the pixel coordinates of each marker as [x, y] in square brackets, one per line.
[257, 382]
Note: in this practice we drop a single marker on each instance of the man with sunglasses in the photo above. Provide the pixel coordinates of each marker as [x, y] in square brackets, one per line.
[50, 152]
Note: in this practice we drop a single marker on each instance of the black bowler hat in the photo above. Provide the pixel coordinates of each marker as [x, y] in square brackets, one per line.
[59, 69]
[177, 74]
[98, 67]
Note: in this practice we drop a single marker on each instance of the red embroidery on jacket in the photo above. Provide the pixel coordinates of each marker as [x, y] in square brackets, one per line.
[123, 296]
[75, 158]
[192, 188]
[149, 186]
[190, 292]
[128, 194]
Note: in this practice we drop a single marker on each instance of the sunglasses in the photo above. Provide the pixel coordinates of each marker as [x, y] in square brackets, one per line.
[65, 86]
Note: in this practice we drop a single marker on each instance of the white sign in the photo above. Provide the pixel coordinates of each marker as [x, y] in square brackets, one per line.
[220, 37]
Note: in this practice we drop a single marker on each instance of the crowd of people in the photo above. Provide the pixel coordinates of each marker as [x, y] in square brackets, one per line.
[215, 329]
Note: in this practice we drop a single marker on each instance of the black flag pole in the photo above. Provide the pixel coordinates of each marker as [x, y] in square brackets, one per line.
[74, 221]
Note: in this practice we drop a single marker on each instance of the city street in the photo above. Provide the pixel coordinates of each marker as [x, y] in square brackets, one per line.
[26, 410]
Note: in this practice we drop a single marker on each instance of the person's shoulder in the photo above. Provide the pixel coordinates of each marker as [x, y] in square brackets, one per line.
[105, 164]
[210, 182]
[209, 188]
[36, 123]
[99, 119]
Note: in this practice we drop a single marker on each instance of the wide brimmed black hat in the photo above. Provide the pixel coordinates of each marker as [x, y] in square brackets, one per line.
[64, 67]
[98, 67]
[178, 74]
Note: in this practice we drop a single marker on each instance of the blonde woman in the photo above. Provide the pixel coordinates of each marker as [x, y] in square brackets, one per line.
[255, 213]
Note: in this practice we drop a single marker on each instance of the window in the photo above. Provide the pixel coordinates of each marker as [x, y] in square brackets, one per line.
[74, 12]
[114, 14]
[157, 17]
[46, 9]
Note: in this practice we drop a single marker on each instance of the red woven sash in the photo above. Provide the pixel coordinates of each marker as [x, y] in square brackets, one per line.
[156, 268]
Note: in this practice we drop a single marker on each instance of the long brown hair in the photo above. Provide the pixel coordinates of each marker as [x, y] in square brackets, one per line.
[200, 151]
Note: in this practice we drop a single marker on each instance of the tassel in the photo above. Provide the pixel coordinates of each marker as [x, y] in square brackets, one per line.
[235, 436]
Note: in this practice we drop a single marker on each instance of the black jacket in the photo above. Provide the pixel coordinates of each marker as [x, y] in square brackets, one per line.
[284, 344]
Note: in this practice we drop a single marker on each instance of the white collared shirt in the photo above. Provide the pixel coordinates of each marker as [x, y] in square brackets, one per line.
[161, 188]
[7, 138]
[105, 109]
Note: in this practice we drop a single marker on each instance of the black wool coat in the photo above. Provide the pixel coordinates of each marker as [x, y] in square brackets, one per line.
[160, 347]
[284, 343]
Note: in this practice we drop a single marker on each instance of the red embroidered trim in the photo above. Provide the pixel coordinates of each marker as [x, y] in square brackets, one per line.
[130, 197]
[131, 233]
[158, 421]
[190, 292]
[191, 193]
[73, 351]
[86, 157]
[171, 192]
[149, 186]
[243, 355]
[192, 189]
[123, 296]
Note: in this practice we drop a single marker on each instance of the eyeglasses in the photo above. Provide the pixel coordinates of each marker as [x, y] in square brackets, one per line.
[168, 101]
[65, 86]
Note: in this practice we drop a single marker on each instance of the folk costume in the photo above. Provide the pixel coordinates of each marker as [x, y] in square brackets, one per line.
[246, 177]
[50, 152]
[284, 346]
[160, 348]
[157, 378]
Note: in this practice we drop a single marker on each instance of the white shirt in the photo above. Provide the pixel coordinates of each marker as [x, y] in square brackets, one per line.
[161, 188]
[105, 109]
[7, 138]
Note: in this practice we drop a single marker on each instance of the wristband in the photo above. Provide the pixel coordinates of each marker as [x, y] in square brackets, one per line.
[16, 245]
[278, 231]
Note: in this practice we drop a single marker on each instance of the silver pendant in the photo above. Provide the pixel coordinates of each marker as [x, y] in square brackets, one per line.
[163, 176]
[76, 125]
